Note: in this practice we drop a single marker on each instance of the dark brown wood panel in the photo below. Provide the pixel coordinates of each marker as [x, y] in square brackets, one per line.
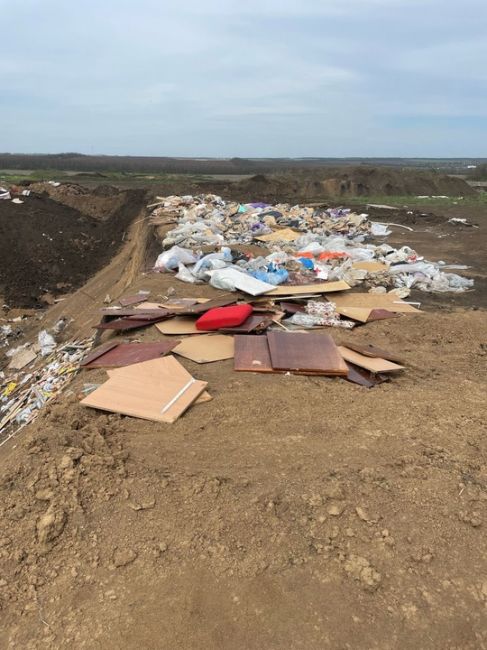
[252, 354]
[126, 354]
[313, 352]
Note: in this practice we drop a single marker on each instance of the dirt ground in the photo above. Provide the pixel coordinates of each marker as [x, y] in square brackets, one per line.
[289, 512]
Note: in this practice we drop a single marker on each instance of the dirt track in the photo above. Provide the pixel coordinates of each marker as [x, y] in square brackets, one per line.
[289, 512]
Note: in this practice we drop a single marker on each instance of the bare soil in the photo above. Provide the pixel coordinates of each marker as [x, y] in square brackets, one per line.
[289, 512]
[48, 247]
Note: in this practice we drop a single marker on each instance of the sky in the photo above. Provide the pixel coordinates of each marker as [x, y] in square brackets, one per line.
[248, 78]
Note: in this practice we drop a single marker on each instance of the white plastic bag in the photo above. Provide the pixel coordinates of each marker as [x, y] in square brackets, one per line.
[172, 258]
[47, 343]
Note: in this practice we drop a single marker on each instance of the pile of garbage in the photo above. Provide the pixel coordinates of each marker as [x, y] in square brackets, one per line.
[299, 245]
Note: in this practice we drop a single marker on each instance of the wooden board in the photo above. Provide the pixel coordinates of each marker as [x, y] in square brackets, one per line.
[373, 364]
[206, 348]
[124, 312]
[305, 352]
[252, 354]
[133, 300]
[305, 289]
[370, 350]
[203, 306]
[357, 375]
[156, 390]
[128, 323]
[253, 322]
[178, 326]
[97, 352]
[126, 354]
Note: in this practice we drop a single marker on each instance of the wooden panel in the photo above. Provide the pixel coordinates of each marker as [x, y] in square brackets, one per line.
[318, 287]
[123, 312]
[156, 390]
[252, 354]
[126, 354]
[305, 352]
[133, 300]
[369, 363]
[363, 377]
[206, 348]
[203, 307]
[370, 350]
[253, 322]
[97, 352]
[128, 323]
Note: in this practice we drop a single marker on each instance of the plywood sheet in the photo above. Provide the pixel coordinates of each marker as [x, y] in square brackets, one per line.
[357, 375]
[133, 300]
[373, 364]
[253, 322]
[97, 352]
[369, 350]
[178, 326]
[305, 352]
[305, 289]
[159, 390]
[206, 348]
[128, 323]
[126, 354]
[252, 354]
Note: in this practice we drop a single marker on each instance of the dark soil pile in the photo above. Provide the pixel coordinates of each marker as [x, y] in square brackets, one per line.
[99, 203]
[48, 247]
[345, 182]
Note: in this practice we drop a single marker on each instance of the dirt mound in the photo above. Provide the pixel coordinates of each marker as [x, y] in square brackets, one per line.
[345, 182]
[48, 247]
[100, 203]
[271, 502]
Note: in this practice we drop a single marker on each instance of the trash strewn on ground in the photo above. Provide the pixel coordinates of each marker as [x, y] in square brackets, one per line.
[299, 244]
[284, 278]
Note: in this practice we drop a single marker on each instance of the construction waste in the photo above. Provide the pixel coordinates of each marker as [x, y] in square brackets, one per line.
[299, 245]
[283, 276]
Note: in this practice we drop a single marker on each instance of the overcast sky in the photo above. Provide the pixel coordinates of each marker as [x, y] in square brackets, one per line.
[244, 77]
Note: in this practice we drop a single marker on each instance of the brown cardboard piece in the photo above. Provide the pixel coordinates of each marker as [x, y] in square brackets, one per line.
[308, 289]
[206, 348]
[178, 326]
[360, 305]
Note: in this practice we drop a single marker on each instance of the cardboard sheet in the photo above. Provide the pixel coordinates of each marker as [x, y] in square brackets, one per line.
[178, 326]
[158, 390]
[374, 301]
[373, 364]
[285, 234]
[305, 352]
[206, 348]
[371, 266]
[308, 289]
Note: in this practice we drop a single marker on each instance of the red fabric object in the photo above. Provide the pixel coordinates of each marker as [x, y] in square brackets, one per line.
[232, 316]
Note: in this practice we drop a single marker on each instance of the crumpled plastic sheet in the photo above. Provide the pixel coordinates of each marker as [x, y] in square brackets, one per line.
[330, 241]
[320, 314]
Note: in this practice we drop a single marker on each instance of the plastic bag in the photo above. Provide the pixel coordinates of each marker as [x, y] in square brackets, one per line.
[172, 258]
[185, 275]
[47, 343]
